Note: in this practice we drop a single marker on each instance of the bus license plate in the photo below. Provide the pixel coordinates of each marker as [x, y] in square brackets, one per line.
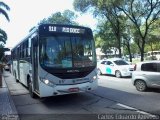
[73, 89]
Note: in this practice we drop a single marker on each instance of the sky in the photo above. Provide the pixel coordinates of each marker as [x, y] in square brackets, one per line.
[24, 14]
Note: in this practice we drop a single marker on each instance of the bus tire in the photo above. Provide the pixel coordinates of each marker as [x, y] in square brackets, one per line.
[28, 81]
[32, 94]
[16, 77]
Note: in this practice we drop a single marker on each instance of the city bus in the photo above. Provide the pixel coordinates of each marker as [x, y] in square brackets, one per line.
[56, 60]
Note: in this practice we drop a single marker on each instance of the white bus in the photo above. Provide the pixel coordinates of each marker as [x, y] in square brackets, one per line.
[56, 60]
[153, 55]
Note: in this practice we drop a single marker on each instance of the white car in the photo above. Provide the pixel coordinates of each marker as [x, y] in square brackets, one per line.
[146, 75]
[115, 66]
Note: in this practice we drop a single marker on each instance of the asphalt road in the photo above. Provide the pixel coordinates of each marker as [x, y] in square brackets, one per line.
[122, 91]
[113, 98]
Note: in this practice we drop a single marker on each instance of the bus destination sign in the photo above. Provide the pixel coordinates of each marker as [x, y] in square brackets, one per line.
[66, 30]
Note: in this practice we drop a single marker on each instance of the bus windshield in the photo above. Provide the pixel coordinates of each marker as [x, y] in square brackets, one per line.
[67, 52]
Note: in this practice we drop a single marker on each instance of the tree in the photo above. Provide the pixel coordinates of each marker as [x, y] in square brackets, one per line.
[67, 17]
[107, 9]
[141, 12]
[105, 38]
[3, 8]
[3, 36]
[154, 36]
[127, 43]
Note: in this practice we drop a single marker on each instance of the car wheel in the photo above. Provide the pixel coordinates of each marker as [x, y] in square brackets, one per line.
[118, 74]
[140, 85]
[99, 72]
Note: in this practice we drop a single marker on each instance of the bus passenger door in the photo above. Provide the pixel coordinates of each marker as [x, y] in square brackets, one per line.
[35, 64]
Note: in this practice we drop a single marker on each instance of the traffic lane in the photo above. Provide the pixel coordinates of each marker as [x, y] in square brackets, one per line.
[82, 103]
[125, 84]
[121, 90]
[74, 106]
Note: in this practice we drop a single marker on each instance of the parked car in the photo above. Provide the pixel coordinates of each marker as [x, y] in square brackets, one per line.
[115, 66]
[146, 75]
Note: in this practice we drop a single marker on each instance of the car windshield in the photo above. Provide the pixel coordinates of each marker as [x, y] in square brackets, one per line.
[120, 62]
[67, 52]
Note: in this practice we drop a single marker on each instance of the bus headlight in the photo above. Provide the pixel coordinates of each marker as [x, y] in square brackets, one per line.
[93, 78]
[47, 82]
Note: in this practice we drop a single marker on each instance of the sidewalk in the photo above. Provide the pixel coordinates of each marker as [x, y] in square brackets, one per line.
[7, 108]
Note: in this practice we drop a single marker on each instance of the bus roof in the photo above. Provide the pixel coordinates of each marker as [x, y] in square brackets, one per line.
[36, 29]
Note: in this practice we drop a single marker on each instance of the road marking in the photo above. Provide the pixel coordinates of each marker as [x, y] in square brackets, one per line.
[125, 106]
[139, 111]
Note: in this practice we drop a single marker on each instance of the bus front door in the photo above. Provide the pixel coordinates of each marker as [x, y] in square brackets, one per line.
[35, 65]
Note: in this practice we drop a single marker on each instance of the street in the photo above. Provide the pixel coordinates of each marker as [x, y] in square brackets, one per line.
[114, 96]
[122, 90]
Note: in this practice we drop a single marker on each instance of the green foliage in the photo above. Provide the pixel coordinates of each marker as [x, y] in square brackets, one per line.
[153, 37]
[3, 36]
[66, 17]
[1, 51]
[3, 8]
[105, 37]
[108, 12]
[142, 13]
[84, 5]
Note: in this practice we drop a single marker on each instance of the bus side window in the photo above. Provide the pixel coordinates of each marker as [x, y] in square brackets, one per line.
[29, 47]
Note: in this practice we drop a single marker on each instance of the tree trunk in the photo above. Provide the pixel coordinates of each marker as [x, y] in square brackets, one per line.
[142, 50]
[119, 47]
[129, 51]
[152, 51]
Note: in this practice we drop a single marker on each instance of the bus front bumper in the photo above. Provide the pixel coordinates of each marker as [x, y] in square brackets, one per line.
[46, 90]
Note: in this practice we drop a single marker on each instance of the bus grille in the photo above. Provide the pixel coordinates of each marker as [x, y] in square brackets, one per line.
[72, 75]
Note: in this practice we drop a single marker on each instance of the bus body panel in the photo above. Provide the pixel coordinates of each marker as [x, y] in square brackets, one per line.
[24, 71]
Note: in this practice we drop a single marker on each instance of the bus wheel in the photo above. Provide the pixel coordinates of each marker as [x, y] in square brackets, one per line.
[28, 81]
[16, 77]
[31, 91]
